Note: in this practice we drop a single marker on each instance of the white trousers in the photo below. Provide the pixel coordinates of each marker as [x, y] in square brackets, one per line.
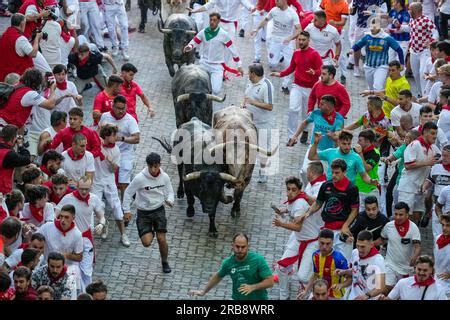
[74, 279]
[245, 17]
[278, 50]
[257, 18]
[201, 18]
[298, 103]
[215, 71]
[376, 77]
[115, 13]
[41, 64]
[109, 191]
[343, 247]
[436, 225]
[90, 21]
[418, 66]
[307, 5]
[87, 264]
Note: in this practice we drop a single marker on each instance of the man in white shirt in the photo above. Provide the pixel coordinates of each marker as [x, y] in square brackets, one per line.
[153, 190]
[115, 13]
[128, 136]
[86, 204]
[426, 114]
[37, 242]
[259, 101]
[405, 106]
[419, 157]
[214, 42]
[442, 254]
[421, 286]
[50, 47]
[78, 162]
[66, 93]
[286, 27]
[105, 180]
[367, 273]
[66, 40]
[403, 245]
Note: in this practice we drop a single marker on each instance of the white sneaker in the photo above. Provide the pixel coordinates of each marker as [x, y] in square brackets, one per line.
[125, 241]
[357, 72]
[262, 177]
[105, 231]
[115, 51]
[125, 55]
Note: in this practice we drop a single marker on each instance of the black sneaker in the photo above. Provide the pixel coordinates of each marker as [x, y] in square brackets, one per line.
[282, 59]
[104, 49]
[87, 86]
[343, 80]
[350, 66]
[166, 267]
[257, 61]
[425, 220]
[141, 30]
[263, 40]
[241, 33]
[285, 90]
[304, 137]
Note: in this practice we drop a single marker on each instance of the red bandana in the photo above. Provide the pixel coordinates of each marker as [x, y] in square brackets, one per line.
[446, 166]
[24, 245]
[442, 241]
[73, 156]
[424, 143]
[371, 253]
[83, 61]
[342, 184]
[402, 228]
[109, 145]
[66, 36]
[319, 179]
[301, 195]
[446, 107]
[45, 170]
[3, 214]
[157, 174]
[379, 118]
[419, 128]
[116, 117]
[59, 276]
[368, 149]
[58, 226]
[330, 117]
[37, 213]
[425, 283]
[326, 24]
[62, 85]
[78, 196]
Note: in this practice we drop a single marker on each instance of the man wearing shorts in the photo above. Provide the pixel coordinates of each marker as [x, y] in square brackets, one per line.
[153, 189]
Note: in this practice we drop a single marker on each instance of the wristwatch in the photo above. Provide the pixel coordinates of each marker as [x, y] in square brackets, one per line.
[123, 138]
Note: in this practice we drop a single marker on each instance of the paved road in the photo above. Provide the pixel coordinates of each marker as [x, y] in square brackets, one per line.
[135, 272]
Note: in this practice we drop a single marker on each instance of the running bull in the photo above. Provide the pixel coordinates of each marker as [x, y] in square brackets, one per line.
[178, 30]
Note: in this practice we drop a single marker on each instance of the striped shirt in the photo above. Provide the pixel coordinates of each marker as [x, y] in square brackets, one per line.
[324, 268]
[422, 33]
[377, 49]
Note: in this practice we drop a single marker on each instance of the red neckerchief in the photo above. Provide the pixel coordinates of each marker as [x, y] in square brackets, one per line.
[78, 196]
[446, 107]
[424, 143]
[321, 178]
[320, 29]
[342, 184]
[447, 59]
[58, 226]
[373, 251]
[379, 118]
[109, 145]
[330, 117]
[425, 283]
[37, 213]
[157, 174]
[403, 228]
[45, 170]
[116, 117]
[368, 149]
[62, 85]
[442, 241]
[24, 245]
[82, 62]
[446, 166]
[3, 214]
[73, 156]
[59, 276]
[66, 36]
[6, 143]
[301, 195]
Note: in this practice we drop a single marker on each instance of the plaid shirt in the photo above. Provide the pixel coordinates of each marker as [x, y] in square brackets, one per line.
[422, 33]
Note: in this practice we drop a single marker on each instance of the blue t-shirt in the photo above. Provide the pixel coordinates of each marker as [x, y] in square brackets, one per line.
[401, 16]
[361, 6]
[353, 160]
[377, 49]
[321, 125]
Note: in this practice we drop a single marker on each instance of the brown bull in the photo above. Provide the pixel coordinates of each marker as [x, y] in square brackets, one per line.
[239, 145]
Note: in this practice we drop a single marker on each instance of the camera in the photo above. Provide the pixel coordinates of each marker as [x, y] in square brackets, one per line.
[52, 14]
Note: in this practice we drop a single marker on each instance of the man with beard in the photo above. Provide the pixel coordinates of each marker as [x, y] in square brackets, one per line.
[51, 164]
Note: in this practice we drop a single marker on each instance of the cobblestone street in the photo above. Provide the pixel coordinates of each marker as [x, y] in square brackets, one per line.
[135, 272]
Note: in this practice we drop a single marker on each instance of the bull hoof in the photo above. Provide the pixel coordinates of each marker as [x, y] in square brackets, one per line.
[171, 73]
[190, 212]
[235, 213]
[180, 194]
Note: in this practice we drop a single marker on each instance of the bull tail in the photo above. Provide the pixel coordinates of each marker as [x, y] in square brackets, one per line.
[166, 145]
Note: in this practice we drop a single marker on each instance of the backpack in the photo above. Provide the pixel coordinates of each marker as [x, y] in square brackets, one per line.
[5, 92]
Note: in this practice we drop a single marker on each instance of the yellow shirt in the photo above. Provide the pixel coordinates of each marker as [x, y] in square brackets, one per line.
[393, 87]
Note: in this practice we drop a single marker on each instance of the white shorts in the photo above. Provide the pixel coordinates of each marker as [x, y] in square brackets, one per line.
[125, 170]
[416, 202]
[392, 277]
[33, 141]
[109, 191]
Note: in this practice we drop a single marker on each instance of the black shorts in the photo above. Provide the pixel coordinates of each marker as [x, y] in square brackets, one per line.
[151, 221]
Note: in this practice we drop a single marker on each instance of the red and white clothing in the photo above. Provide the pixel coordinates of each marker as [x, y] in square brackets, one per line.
[18, 108]
[324, 41]
[337, 90]
[127, 127]
[37, 216]
[53, 198]
[409, 289]
[67, 103]
[76, 167]
[65, 136]
[131, 90]
[103, 102]
[104, 180]
[364, 272]
[442, 260]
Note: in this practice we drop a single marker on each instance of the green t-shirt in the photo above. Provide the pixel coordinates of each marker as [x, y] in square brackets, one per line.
[399, 154]
[372, 158]
[253, 269]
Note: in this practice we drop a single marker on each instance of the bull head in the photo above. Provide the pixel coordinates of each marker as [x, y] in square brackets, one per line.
[224, 176]
[251, 145]
[186, 96]
[162, 30]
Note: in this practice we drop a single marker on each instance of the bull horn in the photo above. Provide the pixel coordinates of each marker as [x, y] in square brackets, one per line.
[228, 177]
[163, 30]
[218, 146]
[192, 176]
[191, 32]
[183, 97]
[215, 98]
[263, 151]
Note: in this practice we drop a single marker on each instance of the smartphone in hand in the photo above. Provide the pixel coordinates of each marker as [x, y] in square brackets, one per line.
[274, 207]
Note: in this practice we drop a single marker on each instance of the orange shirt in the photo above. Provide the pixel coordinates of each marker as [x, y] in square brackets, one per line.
[335, 10]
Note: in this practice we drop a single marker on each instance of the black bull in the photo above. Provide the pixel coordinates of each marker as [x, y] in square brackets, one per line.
[178, 30]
